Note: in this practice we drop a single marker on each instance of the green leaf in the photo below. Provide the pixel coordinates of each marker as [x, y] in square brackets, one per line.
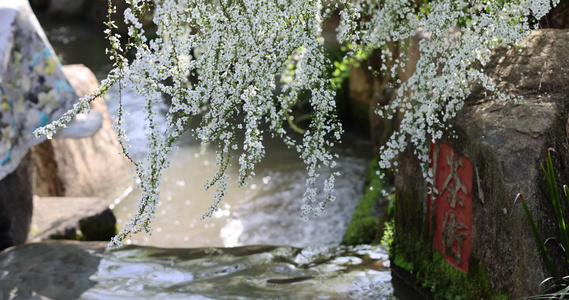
[556, 202]
[540, 243]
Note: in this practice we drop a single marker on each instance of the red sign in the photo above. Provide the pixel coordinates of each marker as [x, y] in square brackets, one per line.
[451, 211]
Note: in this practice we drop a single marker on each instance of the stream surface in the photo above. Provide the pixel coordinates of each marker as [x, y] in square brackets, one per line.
[252, 272]
[84, 270]
[224, 257]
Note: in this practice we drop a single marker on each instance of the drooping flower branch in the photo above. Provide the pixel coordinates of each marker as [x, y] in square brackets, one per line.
[237, 64]
[459, 38]
[240, 63]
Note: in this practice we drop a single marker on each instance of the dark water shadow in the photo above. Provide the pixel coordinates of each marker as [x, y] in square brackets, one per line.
[404, 287]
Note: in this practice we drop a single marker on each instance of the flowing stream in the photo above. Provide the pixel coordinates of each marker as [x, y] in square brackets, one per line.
[225, 257]
[254, 272]
[83, 270]
[266, 211]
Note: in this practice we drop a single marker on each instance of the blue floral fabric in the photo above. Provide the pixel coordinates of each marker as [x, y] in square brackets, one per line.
[33, 88]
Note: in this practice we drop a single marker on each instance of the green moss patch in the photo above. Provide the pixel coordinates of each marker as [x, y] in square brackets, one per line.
[366, 226]
[431, 271]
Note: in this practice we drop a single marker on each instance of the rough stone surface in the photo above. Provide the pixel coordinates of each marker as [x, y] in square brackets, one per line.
[16, 204]
[62, 217]
[506, 143]
[84, 167]
[47, 180]
[49, 270]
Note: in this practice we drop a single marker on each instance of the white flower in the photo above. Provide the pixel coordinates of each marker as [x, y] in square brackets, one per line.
[250, 60]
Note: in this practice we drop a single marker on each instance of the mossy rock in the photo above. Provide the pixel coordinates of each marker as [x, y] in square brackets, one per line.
[442, 279]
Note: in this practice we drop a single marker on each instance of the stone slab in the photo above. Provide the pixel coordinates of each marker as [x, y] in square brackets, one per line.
[62, 216]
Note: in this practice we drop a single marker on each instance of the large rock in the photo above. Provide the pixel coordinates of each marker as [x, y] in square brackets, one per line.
[85, 167]
[482, 239]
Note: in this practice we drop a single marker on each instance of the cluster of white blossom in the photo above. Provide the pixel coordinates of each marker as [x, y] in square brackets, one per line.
[238, 64]
[460, 36]
[223, 62]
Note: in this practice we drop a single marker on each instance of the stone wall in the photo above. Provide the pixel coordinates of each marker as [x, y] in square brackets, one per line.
[474, 232]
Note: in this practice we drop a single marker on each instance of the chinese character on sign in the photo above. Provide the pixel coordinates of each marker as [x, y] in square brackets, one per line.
[451, 211]
[453, 183]
[451, 233]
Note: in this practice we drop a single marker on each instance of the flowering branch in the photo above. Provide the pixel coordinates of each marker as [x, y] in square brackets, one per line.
[460, 36]
[241, 63]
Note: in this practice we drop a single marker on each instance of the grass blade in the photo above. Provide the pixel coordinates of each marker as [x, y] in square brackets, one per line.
[556, 202]
[540, 243]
